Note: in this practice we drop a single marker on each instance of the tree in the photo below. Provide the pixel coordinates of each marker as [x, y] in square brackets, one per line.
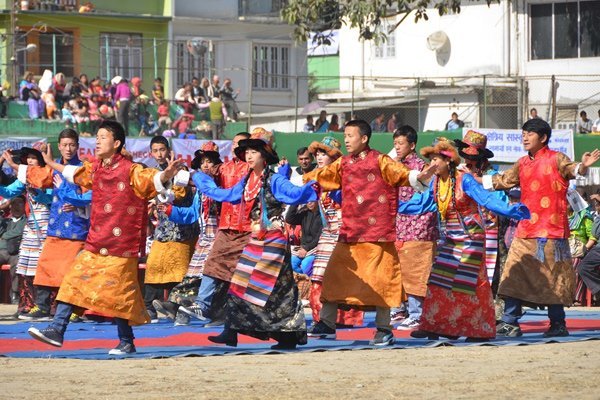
[322, 16]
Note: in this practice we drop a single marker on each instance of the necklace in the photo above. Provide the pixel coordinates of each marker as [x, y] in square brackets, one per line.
[447, 189]
[252, 187]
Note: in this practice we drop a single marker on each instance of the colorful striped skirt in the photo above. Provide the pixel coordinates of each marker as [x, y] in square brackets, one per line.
[203, 247]
[327, 242]
[451, 308]
[491, 252]
[34, 236]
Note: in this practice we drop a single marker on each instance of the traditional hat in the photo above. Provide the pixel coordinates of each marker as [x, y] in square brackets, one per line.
[329, 145]
[261, 140]
[36, 151]
[444, 147]
[208, 149]
[473, 146]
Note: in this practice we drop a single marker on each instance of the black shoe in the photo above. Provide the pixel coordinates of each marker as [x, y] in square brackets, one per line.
[508, 330]
[286, 343]
[153, 316]
[122, 349]
[182, 319]
[194, 311]
[227, 337]
[476, 340]
[558, 329]
[419, 334]
[35, 314]
[383, 337]
[168, 308]
[321, 330]
[49, 335]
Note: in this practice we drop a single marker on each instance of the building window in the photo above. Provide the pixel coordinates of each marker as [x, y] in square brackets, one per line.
[271, 67]
[124, 55]
[45, 57]
[191, 62]
[260, 8]
[565, 30]
[386, 49]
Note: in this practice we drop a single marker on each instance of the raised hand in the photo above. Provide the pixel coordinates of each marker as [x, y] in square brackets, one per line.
[172, 168]
[48, 155]
[426, 173]
[588, 159]
[7, 156]
[58, 181]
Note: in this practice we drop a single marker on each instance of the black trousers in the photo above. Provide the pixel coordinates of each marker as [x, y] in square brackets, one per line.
[156, 291]
[589, 270]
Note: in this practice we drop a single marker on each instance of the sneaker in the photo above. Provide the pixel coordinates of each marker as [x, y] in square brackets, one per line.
[194, 311]
[35, 314]
[383, 337]
[508, 330]
[168, 308]
[398, 316]
[75, 318]
[408, 324]
[50, 336]
[182, 319]
[322, 331]
[122, 349]
[153, 316]
[558, 329]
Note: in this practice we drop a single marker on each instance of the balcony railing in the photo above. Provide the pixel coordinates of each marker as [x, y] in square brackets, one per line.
[260, 8]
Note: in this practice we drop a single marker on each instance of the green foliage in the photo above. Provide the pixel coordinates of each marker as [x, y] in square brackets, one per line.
[366, 15]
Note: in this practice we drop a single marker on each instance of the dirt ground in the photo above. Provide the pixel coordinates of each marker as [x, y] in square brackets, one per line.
[551, 371]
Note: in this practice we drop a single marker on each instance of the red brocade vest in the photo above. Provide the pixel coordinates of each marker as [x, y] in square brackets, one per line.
[117, 214]
[234, 216]
[369, 204]
[544, 192]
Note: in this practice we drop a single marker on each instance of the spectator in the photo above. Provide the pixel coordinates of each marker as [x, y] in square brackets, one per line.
[183, 125]
[322, 125]
[215, 86]
[30, 92]
[158, 91]
[136, 87]
[72, 89]
[305, 164]
[184, 98]
[584, 125]
[309, 126]
[533, 113]
[97, 89]
[84, 82]
[595, 126]
[3, 99]
[378, 124]
[393, 123]
[454, 123]
[218, 115]
[122, 100]
[228, 95]
[197, 91]
[206, 88]
[59, 82]
[11, 232]
[163, 114]
[50, 103]
[334, 125]
[309, 218]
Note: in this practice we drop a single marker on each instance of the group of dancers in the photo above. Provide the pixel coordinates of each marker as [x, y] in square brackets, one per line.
[395, 230]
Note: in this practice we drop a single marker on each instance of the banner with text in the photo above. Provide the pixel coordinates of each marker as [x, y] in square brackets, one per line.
[507, 147]
[185, 148]
[15, 143]
[139, 148]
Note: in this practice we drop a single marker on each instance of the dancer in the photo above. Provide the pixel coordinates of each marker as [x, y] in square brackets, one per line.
[416, 235]
[459, 297]
[35, 231]
[539, 267]
[263, 299]
[205, 211]
[233, 235]
[364, 267]
[173, 244]
[68, 225]
[103, 277]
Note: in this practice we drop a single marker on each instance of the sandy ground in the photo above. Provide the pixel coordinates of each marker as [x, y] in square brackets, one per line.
[552, 371]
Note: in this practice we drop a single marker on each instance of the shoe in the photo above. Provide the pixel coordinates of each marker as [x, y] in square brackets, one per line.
[242, 113]
[182, 319]
[227, 337]
[122, 349]
[153, 316]
[398, 316]
[168, 308]
[508, 330]
[321, 330]
[419, 334]
[558, 329]
[75, 318]
[383, 337]
[284, 345]
[194, 311]
[408, 324]
[50, 336]
[476, 340]
[212, 324]
[35, 314]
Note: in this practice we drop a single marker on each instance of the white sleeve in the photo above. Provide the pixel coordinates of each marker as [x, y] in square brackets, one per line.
[22, 174]
[487, 182]
[69, 172]
[578, 175]
[414, 182]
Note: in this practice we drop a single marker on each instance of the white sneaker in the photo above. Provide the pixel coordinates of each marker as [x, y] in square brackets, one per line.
[242, 113]
[408, 324]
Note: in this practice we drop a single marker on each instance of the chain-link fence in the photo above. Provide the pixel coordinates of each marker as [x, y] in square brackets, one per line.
[428, 103]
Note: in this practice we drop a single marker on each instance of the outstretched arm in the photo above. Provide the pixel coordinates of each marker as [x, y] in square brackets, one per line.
[288, 193]
[329, 177]
[488, 200]
[206, 185]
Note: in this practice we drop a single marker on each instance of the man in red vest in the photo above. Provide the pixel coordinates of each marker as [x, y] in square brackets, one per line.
[539, 269]
[364, 269]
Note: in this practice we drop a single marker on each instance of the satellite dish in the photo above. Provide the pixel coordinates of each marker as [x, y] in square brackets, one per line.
[197, 47]
[440, 43]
